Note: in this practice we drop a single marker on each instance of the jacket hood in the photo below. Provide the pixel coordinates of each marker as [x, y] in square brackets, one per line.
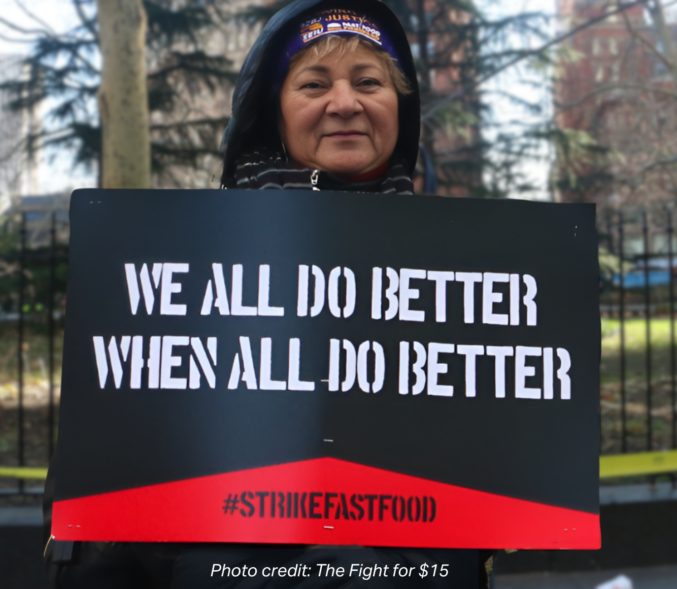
[254, 122]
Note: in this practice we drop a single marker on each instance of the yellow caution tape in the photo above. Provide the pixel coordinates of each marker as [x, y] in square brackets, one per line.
[23, 472]
[617, 465]
[625, 465]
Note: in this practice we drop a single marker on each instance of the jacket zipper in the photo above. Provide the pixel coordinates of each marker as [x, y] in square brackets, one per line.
[314, 177]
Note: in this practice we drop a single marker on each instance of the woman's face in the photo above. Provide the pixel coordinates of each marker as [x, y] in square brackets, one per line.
[339, 112]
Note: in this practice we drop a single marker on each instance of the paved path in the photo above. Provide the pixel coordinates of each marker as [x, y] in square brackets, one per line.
[646, 578]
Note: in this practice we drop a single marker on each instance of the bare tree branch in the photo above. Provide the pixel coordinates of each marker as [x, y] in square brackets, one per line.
[188, 123]
[665, 35]
[34, 17]
[644, 41]
[12, 151]
[86, 22]
[527, 54]
[611, 87]
[23, 31]
[669, 161]
[10, 40]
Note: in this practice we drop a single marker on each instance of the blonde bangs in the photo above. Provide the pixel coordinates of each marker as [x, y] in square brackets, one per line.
[349, 43]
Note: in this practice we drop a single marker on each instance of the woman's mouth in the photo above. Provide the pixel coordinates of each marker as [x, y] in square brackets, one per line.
[345, 135]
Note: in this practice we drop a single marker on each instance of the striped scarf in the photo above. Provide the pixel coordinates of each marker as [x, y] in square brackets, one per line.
[260, 171]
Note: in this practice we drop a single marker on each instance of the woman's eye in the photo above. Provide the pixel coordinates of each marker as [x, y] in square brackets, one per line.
[311, 86]
[369, 82]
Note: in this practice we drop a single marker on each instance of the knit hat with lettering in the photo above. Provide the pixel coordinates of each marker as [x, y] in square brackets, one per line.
[335, 21]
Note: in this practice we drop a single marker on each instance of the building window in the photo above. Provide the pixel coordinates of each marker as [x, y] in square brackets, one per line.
[596, 46]
[599, 73]
[661, 70]
[612, 17]
[613, 47]
[615, 72]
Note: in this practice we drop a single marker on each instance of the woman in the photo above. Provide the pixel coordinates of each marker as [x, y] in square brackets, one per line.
[327, 100]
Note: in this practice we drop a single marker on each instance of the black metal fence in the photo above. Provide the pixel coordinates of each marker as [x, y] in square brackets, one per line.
[637, 303]
[33, 258]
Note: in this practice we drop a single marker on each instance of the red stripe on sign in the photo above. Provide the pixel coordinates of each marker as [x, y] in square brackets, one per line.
[323, 501]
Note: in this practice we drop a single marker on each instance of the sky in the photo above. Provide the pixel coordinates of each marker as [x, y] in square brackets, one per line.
[56, 172]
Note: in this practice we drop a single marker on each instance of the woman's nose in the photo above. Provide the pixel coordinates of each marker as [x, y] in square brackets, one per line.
[343, 100]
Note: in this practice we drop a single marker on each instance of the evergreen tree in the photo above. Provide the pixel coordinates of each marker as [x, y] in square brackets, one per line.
[188, 89]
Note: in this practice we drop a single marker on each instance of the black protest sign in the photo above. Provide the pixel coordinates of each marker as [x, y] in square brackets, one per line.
[329, 368]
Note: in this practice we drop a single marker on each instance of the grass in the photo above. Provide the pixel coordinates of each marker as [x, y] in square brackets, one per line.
[637, 418]
[635, 348]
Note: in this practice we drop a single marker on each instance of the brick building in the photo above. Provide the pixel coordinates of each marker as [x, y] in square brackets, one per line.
[616, 87]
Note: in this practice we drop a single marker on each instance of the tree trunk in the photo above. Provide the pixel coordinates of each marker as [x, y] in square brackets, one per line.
[123, 96]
